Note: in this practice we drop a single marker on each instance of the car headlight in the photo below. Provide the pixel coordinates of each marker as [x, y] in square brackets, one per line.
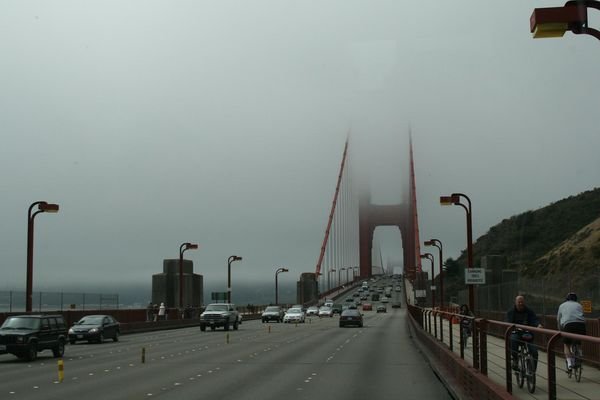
[71, 331]
[20, 339]
[94, 330]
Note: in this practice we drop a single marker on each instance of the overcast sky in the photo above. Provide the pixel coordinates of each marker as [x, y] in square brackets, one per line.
[154, 123]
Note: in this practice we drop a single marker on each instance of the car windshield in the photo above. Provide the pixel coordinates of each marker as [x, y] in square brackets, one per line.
[90, 321]
[21, 323]
[350, 313]
[216, 307]
[324, 308]
[294, 311]
[272, 309]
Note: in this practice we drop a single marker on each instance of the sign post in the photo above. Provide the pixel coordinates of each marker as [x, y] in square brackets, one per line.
[218, 296]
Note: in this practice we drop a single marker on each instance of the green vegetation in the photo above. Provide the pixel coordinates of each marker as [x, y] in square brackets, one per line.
[565, 235]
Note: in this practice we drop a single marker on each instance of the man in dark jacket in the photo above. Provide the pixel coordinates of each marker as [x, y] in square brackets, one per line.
[522, 315]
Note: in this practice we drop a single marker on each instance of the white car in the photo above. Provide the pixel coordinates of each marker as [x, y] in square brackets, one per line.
[294, 315]
[325, 311]
[385, 300]
[312, 311]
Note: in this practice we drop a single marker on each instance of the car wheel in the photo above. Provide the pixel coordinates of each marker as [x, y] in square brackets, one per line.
[212, 327]
[263, 321]
[116, 337]
[101, 337]
[202, 327]
[59, 350]
[31, 352]
[235, 326]
[226, 326]
[72, 341]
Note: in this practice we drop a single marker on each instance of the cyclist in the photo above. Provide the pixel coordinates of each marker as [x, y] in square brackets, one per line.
[522, 315]
[570, 319]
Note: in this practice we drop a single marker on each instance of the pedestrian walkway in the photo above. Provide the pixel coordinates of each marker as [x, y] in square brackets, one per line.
[566, 388]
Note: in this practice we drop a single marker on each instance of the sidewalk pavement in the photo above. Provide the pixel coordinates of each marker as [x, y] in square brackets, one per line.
[566, 388]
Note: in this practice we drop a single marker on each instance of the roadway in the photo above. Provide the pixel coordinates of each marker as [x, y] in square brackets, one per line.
[314, 360]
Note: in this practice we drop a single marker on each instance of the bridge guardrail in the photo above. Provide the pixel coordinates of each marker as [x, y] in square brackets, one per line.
[491, 348]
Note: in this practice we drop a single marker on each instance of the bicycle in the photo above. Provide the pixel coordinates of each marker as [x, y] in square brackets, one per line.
[577, 367]
[526, 363]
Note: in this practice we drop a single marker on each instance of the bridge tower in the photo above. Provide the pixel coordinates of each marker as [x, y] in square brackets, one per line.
[348, 238]
[403, 216]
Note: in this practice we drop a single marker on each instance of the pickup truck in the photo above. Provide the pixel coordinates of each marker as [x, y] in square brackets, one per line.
[219, 314]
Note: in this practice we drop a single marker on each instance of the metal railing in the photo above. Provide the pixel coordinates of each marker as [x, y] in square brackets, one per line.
[14, 301]
[490, 352]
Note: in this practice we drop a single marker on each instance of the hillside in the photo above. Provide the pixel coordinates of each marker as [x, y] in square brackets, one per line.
[563, 237]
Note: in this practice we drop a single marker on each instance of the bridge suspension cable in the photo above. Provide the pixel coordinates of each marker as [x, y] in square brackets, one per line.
[339, 257]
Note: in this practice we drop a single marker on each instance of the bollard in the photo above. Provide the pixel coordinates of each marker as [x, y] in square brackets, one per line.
[143, 355]
[269, 328]
[227, 338]
[61, 372]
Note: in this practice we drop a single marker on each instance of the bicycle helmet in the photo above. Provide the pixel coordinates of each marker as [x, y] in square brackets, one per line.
[572, 297]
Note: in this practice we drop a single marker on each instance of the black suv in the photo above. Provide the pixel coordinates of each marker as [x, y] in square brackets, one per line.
[26, 335]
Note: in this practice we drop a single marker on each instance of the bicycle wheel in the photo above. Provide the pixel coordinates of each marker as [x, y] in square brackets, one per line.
[520, 373]
[530, 375]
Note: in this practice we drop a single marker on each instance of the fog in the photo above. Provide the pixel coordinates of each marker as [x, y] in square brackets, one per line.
[222, 123]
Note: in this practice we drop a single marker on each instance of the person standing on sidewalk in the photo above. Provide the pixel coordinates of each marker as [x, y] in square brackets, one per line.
[570, 319]
[466, 323]
[162, 312]
[522, 315]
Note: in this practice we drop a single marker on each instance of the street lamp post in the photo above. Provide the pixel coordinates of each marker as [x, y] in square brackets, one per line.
[438, 244]
[229, 261]
[331, 271]
[42, 207]
[454, 199]
[182, 249]
[279, 270]
[429, 256]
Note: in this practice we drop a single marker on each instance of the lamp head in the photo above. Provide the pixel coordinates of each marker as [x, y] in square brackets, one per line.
[555, 21]
[450, 200]
[48, 207]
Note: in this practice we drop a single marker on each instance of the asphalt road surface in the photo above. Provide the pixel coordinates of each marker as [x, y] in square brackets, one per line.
[315, 360]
